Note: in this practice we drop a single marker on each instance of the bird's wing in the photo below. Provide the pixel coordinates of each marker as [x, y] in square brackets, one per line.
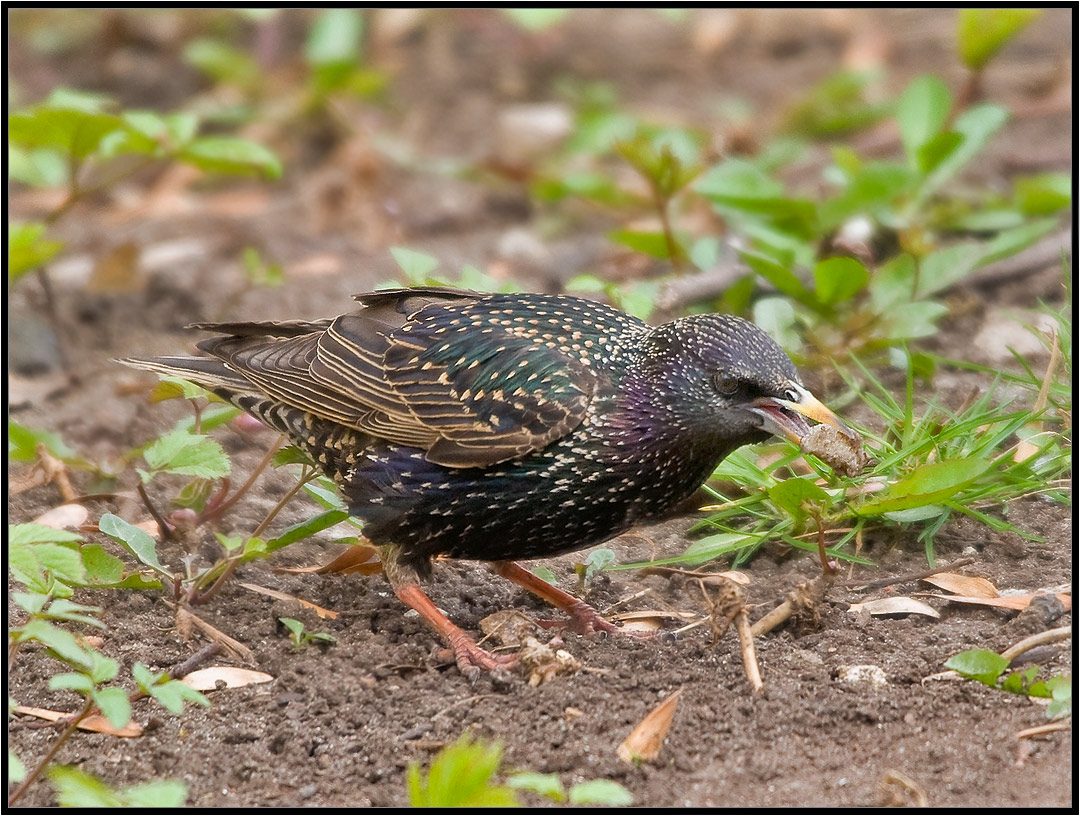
[430, 368]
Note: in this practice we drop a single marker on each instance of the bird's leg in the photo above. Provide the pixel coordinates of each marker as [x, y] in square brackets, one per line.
[470, 658]
[585, 618]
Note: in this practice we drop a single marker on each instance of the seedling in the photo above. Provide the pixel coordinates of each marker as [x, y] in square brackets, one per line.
[300, 638]
[991, 669]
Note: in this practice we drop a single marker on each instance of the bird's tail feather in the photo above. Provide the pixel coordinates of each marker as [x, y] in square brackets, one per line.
[217, 377]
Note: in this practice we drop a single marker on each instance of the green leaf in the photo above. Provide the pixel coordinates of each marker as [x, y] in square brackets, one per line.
[647, 243]
[714, 546]
[64, 563]
[416, 265]
[912, 514]
[943, 268]
[780, 277]
[926, 484]
[930, 155]
[536, 19]
[548, 785]
[101, 567]
[31, 533]
[335, 37]
[295, 627]
[838, 279]
[144, 678]
[978, 664]
[1060, 697]
[460, 776]
[291, 455]
[1011, 241]
[909, 320]
[165, 793]
[74, 132]
[921, 112]
[1043, 194]
[871, 190]
[59, 641]
[176, 388]
[776, 316]
[16, 770]
[892, 283]
[37, 167]
[114, 704]
[221, 61]
[75, 788]
[545, 574]
[28, 249]
[224, 154]
[172, 694]
[982, 32]
[600, 792]
[597, 561]
[137, 541]
[72, 681]
[790, 494]
[976, 125]
[188, 454]
[308, 528]
[62, 609]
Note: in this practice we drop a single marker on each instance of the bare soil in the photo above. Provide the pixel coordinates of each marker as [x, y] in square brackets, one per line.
[339, 725]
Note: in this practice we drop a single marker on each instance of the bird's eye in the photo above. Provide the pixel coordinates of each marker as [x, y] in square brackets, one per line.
[725, 384]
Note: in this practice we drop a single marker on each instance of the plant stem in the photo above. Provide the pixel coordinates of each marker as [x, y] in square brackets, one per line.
[166, 529]
[225, 505]
[68, 731]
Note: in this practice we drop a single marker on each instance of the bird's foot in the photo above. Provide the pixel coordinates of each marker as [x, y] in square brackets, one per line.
[471, 659]
[585, 620]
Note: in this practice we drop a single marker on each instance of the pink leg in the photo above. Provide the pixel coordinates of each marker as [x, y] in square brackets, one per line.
[470, 657]
[585, 618]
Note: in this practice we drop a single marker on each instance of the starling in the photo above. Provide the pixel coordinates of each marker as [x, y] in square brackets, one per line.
[499, 427]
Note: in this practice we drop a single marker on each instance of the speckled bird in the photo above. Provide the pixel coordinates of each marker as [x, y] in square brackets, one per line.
[499, 427]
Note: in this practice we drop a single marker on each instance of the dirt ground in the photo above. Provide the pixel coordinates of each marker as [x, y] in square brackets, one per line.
[338, 726]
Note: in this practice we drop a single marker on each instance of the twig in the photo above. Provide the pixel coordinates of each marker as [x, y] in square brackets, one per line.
[1044, 729]
[804, 595]
[1040, 639]
[909, 576]
[196, 660]
[749, 654]
[60, 740]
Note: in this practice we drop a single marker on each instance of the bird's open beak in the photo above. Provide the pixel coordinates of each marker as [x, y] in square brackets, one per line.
[786, 417]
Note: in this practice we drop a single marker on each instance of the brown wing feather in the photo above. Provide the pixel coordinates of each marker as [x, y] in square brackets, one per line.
[403, 369]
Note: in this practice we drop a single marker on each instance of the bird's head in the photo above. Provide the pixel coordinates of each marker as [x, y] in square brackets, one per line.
[721, 380]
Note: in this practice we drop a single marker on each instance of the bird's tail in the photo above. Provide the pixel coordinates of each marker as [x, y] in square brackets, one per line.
[218, 378]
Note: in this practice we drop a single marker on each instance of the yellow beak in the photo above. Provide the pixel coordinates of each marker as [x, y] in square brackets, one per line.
[785, 417]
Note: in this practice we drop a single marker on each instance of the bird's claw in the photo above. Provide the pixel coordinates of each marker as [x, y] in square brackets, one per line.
[471, 659]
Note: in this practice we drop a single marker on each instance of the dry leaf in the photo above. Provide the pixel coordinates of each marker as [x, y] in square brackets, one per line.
[509, 627]
[315, 265]
[118, 271]
[151, 527]
[969, 585]
[1007, 602]
[284, 596]
[64, 517]
[185, 618]
[897, 605]
[647, 738]
[357, 558]
[95, 722]
[207, 679]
